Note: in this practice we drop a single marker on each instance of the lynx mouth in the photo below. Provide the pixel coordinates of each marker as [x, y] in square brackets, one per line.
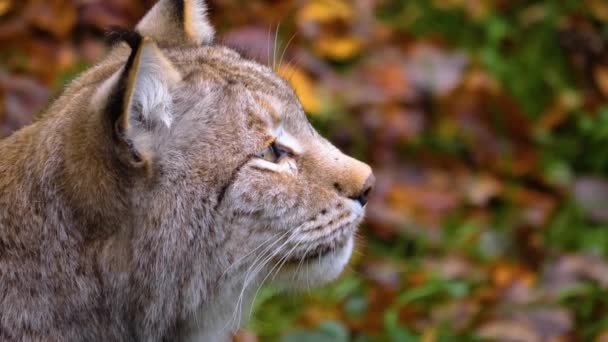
[321, 247]
[317, 267]
[318, 252]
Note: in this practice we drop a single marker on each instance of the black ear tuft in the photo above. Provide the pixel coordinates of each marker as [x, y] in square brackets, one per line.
[178, 9]
[116, 106]
[118, 35]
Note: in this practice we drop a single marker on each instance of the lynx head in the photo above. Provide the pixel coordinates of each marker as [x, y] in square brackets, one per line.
[221, 158]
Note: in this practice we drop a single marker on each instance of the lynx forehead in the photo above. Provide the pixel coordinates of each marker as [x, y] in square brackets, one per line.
[163, 188]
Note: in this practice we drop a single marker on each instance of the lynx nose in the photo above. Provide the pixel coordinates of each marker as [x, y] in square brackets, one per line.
[365, 190]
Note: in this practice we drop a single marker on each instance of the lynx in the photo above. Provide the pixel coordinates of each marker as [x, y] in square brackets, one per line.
[163, 188]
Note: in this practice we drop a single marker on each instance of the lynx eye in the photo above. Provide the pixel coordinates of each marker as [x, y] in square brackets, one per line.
[273, 153]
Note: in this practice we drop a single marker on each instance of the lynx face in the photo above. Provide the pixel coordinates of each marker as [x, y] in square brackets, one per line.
[297, 196]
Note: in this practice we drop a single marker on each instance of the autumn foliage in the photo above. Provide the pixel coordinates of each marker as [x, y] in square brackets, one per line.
[486, 122]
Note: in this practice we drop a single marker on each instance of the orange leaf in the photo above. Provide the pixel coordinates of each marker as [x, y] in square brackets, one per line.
[505, 275]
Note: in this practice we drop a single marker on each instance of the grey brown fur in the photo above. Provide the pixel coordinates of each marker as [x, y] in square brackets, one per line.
[156, 233]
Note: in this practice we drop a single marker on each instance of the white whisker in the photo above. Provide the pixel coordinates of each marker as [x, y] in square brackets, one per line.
[279, 264]
[256, 266]
[274, 52]
[234, 317]
[286, 48]
[301, 262]
[247, 255]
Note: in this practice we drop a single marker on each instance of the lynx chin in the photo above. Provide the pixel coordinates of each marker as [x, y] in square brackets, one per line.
[162, 189]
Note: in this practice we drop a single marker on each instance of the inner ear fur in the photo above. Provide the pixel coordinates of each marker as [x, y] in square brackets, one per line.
[178, 23]
[139, 98]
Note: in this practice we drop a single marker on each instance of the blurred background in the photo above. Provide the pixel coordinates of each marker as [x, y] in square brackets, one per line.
[486, 122]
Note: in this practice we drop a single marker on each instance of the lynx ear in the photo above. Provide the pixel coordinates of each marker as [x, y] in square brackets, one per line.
[138, 98]
[177, 23]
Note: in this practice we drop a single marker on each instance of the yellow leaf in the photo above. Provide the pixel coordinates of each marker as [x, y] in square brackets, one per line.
[338, 48]
[323, 11]
[599, 8]
[601, 79]
[304, 87]
[5, 6]
[429, 335]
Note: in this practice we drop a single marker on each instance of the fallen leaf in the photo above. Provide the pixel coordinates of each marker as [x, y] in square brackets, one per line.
[316, 314]
[57, 17]
[452, 267]
[602, 337]
[508, 331]
[383, 272]
[601, 78]
[547, 323]
[434, 70]
[481, 189]
[338, 48]
[244, 336]
[536, 207]
[5, 6]
[458, 315]
[507, 274]
[323, 11]
[429, 335]
[573, 269]
[304, 87]
[591, 194]
[599, 9]
[22, 98]
[559, 111]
